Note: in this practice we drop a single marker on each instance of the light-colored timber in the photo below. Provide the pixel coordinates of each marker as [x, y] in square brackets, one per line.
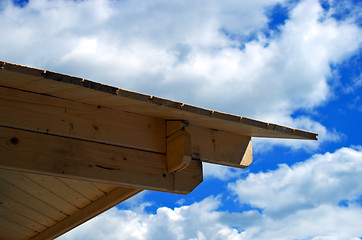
[59, 85]
[71, 148]
[100, 205]
[178, 146]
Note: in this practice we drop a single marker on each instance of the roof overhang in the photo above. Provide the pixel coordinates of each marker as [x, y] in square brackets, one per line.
[102, 144]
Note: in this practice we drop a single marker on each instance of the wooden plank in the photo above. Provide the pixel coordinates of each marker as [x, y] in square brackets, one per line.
[26, 184]
[71, 158]
[61, 190]
[100, 205]
[27, 199]
[68, 118]
[105, 188]
[31, 78]
[220, 147]
[21, 220]
[17, 75]
[87, 189]
[78, 93]
[148, 105]
[13, 231]
[63, 117]
[26, 210]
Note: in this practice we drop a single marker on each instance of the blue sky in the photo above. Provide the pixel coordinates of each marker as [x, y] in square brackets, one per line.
[295, 63]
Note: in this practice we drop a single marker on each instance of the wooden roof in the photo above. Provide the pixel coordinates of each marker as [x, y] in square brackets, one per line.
[82, 90]
[72, 148]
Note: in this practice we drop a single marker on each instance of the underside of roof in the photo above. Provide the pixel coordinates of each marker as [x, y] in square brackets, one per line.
[37, 206]
[72, 148]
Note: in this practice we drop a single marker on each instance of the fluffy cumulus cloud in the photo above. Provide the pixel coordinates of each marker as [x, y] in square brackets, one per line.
[197, 221]
[316, 199]
[328, 178]
[219, 55]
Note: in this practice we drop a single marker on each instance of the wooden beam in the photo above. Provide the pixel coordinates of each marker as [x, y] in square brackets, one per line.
[59, 85]
[27, 151]
[47, 114]
[189, 178]
[62, 117]
[220, 147]
[93, 209]
[178, 146]
[214, 146]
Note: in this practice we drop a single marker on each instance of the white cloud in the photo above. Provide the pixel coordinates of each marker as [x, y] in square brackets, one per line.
[297, 202]
[197, 221]
[328, 178]
[221, 172]
[303, 201]
[183, 50]
[321, 222]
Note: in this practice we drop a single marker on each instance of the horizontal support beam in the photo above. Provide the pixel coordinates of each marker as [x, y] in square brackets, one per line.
[62, 117]
[27, 151]
[219, 147]
[214, 146]
[47, 114]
